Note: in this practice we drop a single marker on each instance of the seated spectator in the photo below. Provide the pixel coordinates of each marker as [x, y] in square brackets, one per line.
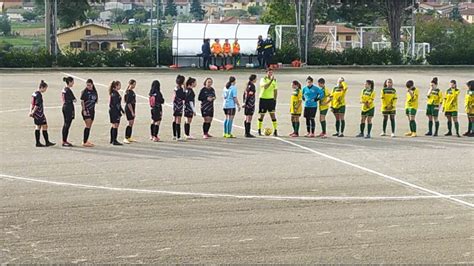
[216, 50]
[236, 52]
[227, 49]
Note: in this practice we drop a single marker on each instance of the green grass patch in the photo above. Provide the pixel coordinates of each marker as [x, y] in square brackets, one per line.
[23, 41]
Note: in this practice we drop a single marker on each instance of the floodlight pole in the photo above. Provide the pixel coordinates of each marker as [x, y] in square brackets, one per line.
[413, 22]
[151, 26]
[158, 23]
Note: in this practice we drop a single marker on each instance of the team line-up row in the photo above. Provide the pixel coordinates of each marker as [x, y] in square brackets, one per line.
[304, 101]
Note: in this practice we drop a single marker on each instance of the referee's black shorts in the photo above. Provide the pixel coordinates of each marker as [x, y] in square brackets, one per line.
[266, 105]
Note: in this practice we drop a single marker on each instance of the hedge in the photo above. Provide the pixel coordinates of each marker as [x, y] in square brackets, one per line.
[451, 56]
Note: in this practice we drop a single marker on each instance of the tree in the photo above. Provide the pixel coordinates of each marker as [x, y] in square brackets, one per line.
[93, 14]
[279, 12]
[68, 11]
[136, 33]
[118, 15]
[455, 15]
[29, 15]
[197, 11]
[5, 26]
[255, 10]
[394, 11]
[171, 8]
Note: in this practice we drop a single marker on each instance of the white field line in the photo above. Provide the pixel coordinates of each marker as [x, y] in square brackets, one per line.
[235, 196]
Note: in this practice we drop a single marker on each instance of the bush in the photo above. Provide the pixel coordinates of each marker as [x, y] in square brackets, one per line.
[15, 58]
[286, 54]
[451, 56]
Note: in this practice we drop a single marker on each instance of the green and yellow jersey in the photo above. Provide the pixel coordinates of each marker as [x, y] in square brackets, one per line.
[367, 98]
[324, 102]
[412, 101]
[389, 99]
[450, 103]
[268, 93]
[338, 96]
[469, 102]
[435, 97]
[296, 101]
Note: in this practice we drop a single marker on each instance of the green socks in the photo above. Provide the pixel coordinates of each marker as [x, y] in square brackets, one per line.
[323, 126]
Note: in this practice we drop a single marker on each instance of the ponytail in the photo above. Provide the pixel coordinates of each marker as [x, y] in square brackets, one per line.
[190, 81]
[180, 80]
[90, 81]
[385, 84]
[435, 81]
[297, 83]
[251, 79]
[371, 84]
[68, 80]
[131, 82]
[455, 83]
[43, 84]
[229, 83]
[112, 86]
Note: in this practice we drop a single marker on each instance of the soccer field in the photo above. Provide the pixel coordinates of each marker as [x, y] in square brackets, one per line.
[263, 200]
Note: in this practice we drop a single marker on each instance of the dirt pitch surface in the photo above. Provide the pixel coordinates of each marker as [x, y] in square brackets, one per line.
[265, 200]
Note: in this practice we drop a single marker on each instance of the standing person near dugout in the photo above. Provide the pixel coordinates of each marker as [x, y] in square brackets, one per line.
[411, 106]
[268, 51]
[450, 106]
[37, 113]
[268, 98]
[434, 100]
[260, 51]
[68, 109]
[89, 98]
[389, 106]
[469, 107]
[338, 106]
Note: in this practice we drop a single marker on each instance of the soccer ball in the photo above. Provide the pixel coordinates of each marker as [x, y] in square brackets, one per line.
[268, 131]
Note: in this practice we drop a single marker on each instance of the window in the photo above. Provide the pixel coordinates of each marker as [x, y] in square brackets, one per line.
[348, 38]
[88, 32]
[75, 44]
[119, 45]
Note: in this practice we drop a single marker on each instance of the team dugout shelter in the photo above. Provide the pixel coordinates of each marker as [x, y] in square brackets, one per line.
[188, 39]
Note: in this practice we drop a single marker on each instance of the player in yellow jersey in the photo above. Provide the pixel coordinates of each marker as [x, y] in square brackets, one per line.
[338, 105]
[450, 108]
[367, 98]
[296, 103]
[389, 106]
[469, 107]
[434, 100]
[411, 106]
[323, 106]
[268, 100]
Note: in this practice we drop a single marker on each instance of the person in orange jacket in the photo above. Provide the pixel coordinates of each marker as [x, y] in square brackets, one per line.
[236, 52]
[227, 50]
[216, 50]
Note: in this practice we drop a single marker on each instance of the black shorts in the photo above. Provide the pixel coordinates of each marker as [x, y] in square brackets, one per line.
[207, 113]
[178, 113]
[229, 111]
[249, 111]
[129, 115]
[188, 114]
[156, 114]
[40, 121]
[90, 115]
[310, 112]
[68, 114]
[267, 105]
[114, 117]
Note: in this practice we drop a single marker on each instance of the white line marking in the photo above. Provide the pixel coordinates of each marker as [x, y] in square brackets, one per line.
[290, 237]
[397, 180]
[220, 195]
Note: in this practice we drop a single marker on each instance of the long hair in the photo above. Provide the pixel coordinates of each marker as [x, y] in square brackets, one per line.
[68, 80]
[371, 84]
[296, 83]
[190, 82]
[455, 83]
[155, 87]
[130, 83]
[229, 83]
[385, 84]
[251, 79]
[90, 81]
[180, 80]
[42, 84]
[435, 81]
[113, 86]
[205, 81]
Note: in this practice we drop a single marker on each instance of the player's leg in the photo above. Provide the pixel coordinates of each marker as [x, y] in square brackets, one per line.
[450, 124]
[362, 125]
[456, 123]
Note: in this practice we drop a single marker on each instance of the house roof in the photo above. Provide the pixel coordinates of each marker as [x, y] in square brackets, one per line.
[15, 11]
[469, 12]
[104, 38]
[340, 29]
[83, 26]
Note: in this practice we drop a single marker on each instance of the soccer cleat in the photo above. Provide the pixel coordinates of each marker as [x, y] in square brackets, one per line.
[87, 144]
[457, 135]
[226, 136]
[413, 134]
[151, 137]
[67, 144]
[275, 134]
[156, 139]
[311, 135]
[293, 135]
[132, 139]
[116, 143]
[249, 136]
[209, 135]
[448, 134]
[360, 135]
[322, 135]
[126, 141]
[393, 135]
[466, 134]
[190, 137]
[383, 134]
[205, 136]
[49, 144]
[174, 138]
[428, 134]
[307, 135]
[232, 136]
[408, 134]
[260, 132]
[39, 145]
[335, 134]
[340, 135]
[180, 140]
[367, 137]
[435, 134]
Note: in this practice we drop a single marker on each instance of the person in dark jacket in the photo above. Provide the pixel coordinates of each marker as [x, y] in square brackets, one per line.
[206, 53]
[260, 51]
[268, 51]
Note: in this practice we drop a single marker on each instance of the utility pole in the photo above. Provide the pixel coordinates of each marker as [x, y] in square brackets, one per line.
[51, 22]
[151, 26]
[158, 28]
[47, 24]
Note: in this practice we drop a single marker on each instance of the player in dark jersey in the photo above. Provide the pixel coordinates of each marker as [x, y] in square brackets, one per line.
[68, 109]
[189, 106]
[207, 96]
[156, 100]
[249, 104]
[178, 107]
[115, 111]
[130, 100]
[37, 113]
[89, 98]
